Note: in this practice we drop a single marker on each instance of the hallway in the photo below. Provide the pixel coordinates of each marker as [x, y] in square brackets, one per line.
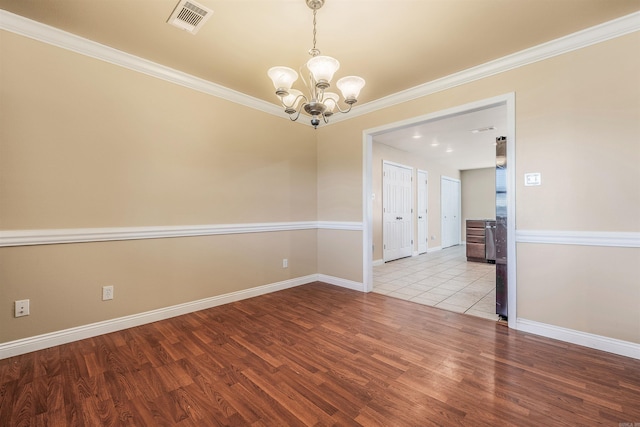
[442, 279]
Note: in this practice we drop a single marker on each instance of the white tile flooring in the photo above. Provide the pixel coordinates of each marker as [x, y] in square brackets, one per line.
[442, 279]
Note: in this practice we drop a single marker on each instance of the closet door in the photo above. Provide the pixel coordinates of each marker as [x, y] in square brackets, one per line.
[397, 225]
[450, 211]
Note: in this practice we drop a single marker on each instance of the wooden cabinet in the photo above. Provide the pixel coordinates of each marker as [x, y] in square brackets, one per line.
[475, 240]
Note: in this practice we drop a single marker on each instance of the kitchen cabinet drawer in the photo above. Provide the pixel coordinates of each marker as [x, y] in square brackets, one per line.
[475, 239]
[475, 250]
[474, 223]
[475, 232]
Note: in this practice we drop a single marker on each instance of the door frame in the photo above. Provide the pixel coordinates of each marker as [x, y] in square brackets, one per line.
[507, 100]
[426, 212]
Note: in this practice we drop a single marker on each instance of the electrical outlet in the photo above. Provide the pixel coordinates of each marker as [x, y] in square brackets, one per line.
[22, 308]
[107, 293]
[285, 263]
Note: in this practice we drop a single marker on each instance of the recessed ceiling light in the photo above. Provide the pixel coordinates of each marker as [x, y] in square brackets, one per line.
[416, 136]
[485, 129]
[449, 150]
[435, 144]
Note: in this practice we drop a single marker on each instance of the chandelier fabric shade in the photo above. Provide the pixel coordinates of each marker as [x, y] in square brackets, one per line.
[318, 72]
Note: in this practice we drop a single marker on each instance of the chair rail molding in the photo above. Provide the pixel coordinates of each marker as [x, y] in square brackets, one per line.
[86, 235]
[583, 238]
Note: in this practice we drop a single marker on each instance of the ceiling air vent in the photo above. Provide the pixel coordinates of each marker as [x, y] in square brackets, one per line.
[190, 16]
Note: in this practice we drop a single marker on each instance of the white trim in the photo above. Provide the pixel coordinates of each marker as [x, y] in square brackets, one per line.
[367, 215]
[84, 235]
[512, 267]
[434, 249]
[39, 342]
[367, 211]
[56, 37]
[344, 283]
[378, 262]
[598, 342]
[339, 225]
[581, 39]
[583, 238]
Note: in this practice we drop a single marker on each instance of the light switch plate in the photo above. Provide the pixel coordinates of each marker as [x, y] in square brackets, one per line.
[531, 179]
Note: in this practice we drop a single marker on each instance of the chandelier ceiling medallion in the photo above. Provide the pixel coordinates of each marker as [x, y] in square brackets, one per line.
[319, 103]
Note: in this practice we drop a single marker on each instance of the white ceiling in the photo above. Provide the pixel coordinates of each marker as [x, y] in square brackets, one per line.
[449, 140]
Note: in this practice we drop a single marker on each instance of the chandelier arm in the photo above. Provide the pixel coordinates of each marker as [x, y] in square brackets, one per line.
[297, 115]
[295, 101]
[309, 84]
[344, 111]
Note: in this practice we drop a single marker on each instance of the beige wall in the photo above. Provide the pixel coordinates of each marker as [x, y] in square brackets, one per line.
[435, 171]
[86, 144]
[478, 195]
[577, 123]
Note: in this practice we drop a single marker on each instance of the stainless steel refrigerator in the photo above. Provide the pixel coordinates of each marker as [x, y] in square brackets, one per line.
[501, 227]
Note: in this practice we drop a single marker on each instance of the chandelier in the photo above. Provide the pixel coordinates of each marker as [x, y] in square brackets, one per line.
[319, 103]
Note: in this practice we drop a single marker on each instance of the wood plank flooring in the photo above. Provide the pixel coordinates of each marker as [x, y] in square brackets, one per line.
[319, 355]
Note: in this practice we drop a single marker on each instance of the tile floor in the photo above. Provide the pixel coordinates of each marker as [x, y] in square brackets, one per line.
[441, 279]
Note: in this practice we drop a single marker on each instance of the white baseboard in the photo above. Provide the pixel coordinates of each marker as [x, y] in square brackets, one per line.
[434, 249]
[378, 262]
[598, 342]
[344, 283]
[39, 342]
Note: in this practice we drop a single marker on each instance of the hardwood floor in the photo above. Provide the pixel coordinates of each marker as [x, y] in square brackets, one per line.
[319, 355]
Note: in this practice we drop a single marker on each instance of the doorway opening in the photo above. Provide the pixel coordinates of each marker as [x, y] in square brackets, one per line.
[505, 103]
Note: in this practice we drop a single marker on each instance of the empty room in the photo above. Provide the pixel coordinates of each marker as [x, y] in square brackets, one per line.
[251, 212]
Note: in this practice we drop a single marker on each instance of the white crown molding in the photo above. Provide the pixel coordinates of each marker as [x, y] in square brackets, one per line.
[39, 342]
[47, 34]
[51, 35]
[581, 39]
[598, 342]
[583, 238]
[84, 235]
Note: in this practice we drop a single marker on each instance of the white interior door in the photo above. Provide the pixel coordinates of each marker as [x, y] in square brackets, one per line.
[397, 221]
[450, 208]
[423, 234]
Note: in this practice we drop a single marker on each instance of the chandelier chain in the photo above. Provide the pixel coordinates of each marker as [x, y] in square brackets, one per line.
[313, 51]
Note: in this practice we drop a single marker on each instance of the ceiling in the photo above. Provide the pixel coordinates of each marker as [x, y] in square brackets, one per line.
[450, 141]
[393, 44]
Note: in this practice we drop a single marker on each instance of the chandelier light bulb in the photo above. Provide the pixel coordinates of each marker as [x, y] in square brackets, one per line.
[292, 100]
[283, 78]
[350, 87]
[330, 101]
[323, 68]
